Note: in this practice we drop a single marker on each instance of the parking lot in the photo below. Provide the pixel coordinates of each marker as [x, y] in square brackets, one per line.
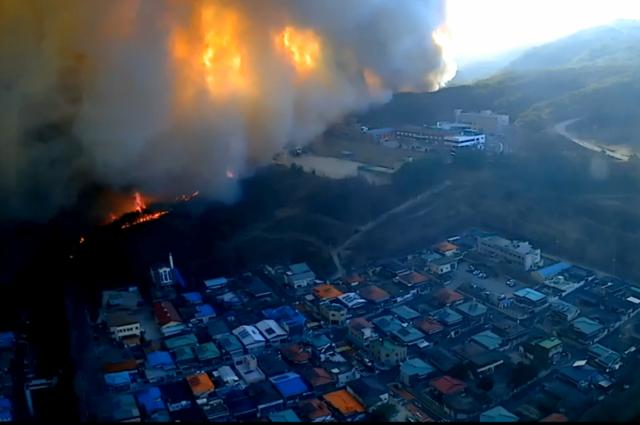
[492, 283]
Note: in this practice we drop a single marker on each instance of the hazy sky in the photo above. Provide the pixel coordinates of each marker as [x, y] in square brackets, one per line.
[482, 28]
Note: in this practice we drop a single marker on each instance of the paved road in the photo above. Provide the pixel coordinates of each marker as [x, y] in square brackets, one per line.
[561, 129]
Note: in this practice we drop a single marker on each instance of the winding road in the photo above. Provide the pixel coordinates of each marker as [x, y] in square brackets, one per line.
[561, 129]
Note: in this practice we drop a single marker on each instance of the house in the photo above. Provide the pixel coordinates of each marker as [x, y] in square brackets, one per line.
[192, 297]
[447, 385]
[360, 331]
[334, 314]
[118, 408]
[123, 324]
[443, 265]
[544, 350]
[447, 317]
[160, 360]
[408, 335]
[446, 248]
[581, 377]
[241, 406]
[509, 330]
[185, 357]
[287, 415]
[217, 328]
[290, 385]
[473, 311]
[387, 324]
[488, 340]
[374, 294]
[530, 297]
[119, 381]
[168, 318]
[296, 353]
[198, 314]
[429, 326]
[314, 410]
[166, 275]
[177, 395]
[226, 377]
[548, 272]
[587, 331]
[369, 391]
[186, 340]
[498, 414]
[387, 353]
[345, 404]
[200, 384]
[351, 300]
[216, 284]
[518, 253]
[341, 371]
[208, 353]
[250, 337]
[405, 313]
[415, 369]
[414, 279]
[447, 297]
[299, 276]
[319, 378]
[230, 345]
[230, 300]
[604, 357]
[563, 311]
[150, 399]
[247, 368]
[326, 291]
[265, 397]
[478, 358]
[289, 318]
[272, 331]
[271, 364]
[321, 345]
[256, 287]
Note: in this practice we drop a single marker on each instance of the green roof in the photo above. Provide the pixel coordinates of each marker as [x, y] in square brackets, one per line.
[207, 351]
[184, 354]
[549, 343]
[180, 341]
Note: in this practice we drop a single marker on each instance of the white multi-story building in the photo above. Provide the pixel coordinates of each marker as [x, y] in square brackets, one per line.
[521, 253]
[487, 121]
[476, 141]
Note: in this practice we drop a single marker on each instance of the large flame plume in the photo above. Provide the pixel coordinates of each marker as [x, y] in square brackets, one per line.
[170, 96]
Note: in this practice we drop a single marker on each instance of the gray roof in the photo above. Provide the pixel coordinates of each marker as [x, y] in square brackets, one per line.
[586, 325]
[416, 366]
[472, 308]
[405, 312]
[488, 339]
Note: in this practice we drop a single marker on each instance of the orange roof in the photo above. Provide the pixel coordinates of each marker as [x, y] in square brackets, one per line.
[446, 296]
[129, 364]
[344, 402]
[429, 325]
[555, 417]
[373, 293]
[445, 247]
[414, 278]
[448, 385]
[200, 384]
[326, 291]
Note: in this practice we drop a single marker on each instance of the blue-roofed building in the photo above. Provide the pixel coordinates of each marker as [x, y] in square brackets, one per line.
[550, 271]
[414, 370]
[150, 399]
[290, 385]
[284, 416]
[160, 360]
[288, 317]
[581, 376]
[488, 340]
[7, 339]
[299, 276]
[216, 284]
[118, 380]
[587, 331]
[530, 297]
[192, 297]
[203, 313]
[498, 414]
[6, 410]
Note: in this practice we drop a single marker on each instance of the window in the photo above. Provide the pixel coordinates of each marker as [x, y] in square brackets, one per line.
[165, 276]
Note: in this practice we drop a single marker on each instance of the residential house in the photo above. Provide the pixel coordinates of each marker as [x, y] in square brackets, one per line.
[473, 311]
[198, 314]
[321, 345]
[319, 378]
[479, 359]
[216, 285]
[266, 398]
[509, 330]
[287, 415]
[230, 346]
[296, 353]
[488, 340]
[230, 300]
[447, 248]
[447, 317]
[241, 406]
[387, 353]
[369, 391]
[256, 287]
[291, 386]
[429, 326]
[166, 275]
[447, 385]
[226, 380]
[185, 358]
[186, 340]
[604, 357]
[208, 353]
[314, 410]
[334, 314]
[360, 332]
[414, 370]
[405, 313]
[271, 363]
[299, 276]
[447, 297]
[563, 311]
[408, 335]
[177, 395]
[587, 331]
[530, 297]
[217, 328]
[374, 294]
[581, 377]
[289, 318]
[272, 331]
[443, 265]
[415, 279]
[341, 371]
[123, 324]
[160, 360]
[326, 292]
[498, 414]
[168, 318]
[118, 381]
[545, 351]
[250, 337]
[150, 399]
[352, 300]
[118, 408]
[345, 404]
[247, 368]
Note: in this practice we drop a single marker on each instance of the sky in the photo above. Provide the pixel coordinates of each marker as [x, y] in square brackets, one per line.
[481, 29]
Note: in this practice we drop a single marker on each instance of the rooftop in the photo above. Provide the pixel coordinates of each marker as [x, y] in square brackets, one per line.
[299, 268]
[150, 399]
[445, 246]
[405, 312]
[159, 359]
[166, 313]
[289, 384]
[586, 325]
[317, 376]
[488, 339]
[414, 278]
[344, 402]
[287, 415]
[446, 316]
[448, 385]
[200, 384]
[472, 308]
[416, 366]
[312, 409]
[360, 323]
[530, 294]
[374, 294]
[552, 270]
[207, 351]
[447, 296]
[429, 325]
[498, 414]
[351, 299]
[326, 291]
[549, 343]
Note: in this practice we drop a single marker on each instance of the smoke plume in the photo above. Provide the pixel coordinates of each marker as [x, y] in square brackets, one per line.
[170, 96]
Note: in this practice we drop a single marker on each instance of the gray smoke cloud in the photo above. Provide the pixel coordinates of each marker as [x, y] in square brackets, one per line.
[174, 96]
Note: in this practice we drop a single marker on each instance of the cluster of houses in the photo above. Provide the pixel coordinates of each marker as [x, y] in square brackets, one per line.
[7, 350]
[282, 344]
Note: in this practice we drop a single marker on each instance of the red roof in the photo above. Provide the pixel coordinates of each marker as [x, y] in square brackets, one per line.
[448, 385]
[166, 313]
[374, 294]
[414, 278]
[446, 296]
[129, 364]
[360, 323]
[429, 325]
[295, 353]
[445, 247]
[555, 417]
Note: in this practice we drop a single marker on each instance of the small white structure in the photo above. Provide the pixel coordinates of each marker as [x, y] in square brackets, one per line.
[272, 331]
[250, 337]
[351, 300]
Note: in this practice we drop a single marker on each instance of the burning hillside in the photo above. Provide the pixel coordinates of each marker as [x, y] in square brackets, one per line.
[167, 95]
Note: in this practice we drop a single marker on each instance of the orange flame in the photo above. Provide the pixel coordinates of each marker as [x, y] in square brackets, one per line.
[303, 47]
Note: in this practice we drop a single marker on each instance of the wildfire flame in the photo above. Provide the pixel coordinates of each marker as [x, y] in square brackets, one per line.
[301, 46]
[144, 218]
[443, 39]
[139, 202]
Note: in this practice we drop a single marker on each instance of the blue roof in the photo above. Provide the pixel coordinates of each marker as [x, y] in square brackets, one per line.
[289, 384]
[498, 414]
[530, 294]
[193, 297]
[553, 269]
[284, 416]
[150, 399]
[115, 379]
[5, 410]
[7, 339]
[205, 310]
[215, 283]
[286, 314]
[299, 268]
[5, 403]
[159, 358]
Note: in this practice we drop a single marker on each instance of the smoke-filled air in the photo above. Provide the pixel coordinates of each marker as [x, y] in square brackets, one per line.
[172, 96]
